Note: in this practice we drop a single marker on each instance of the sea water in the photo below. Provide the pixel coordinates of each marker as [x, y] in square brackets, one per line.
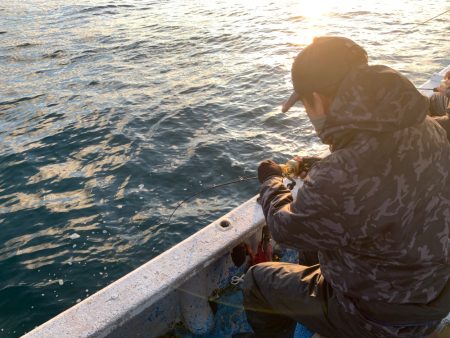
[111, 112]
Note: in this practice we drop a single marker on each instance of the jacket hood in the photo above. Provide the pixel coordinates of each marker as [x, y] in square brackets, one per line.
[375, 99]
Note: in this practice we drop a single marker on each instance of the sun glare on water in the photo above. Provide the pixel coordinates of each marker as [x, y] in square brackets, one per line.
[312, 9]
[314, 12]
[317, 13]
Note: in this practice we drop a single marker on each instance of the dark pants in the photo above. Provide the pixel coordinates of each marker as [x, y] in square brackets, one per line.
[277, 295]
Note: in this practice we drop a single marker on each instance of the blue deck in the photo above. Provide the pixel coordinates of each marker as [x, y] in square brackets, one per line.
[230, 318]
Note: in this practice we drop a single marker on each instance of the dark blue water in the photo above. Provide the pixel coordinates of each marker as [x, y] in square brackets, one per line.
[111, 112]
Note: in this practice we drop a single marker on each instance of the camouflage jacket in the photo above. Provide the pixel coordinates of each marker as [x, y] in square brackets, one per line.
[378, 207]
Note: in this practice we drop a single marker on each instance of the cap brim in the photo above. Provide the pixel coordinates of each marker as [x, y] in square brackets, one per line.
[290, 102]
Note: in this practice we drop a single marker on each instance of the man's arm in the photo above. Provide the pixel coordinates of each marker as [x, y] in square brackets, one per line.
[313, 221]
[444, 122]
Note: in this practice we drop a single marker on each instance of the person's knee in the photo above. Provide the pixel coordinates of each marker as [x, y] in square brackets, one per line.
[249, 279]
[253, 279]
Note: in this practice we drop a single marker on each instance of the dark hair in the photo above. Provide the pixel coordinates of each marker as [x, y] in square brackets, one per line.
[447, 75]
[322, 65]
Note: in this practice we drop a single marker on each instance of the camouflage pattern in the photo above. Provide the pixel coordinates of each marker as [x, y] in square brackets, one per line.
[378, 207]
[444, 122]
[439, 104]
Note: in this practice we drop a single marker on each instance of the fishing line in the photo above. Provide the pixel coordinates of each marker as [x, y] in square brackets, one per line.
[424, 22]
[240, 179]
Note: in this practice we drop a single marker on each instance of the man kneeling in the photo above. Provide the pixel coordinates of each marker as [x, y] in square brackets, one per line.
[377, 209]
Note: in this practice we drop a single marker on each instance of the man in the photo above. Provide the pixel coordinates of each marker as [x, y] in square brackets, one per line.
[439, 101]
[377, 209]
[440, 104]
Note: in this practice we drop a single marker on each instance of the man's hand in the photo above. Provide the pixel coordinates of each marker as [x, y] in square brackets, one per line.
[305, 163]
[267, 169]
[443, 87]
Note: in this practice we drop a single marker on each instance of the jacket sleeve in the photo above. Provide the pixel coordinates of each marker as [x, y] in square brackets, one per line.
[444, 122]
[314, 220]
